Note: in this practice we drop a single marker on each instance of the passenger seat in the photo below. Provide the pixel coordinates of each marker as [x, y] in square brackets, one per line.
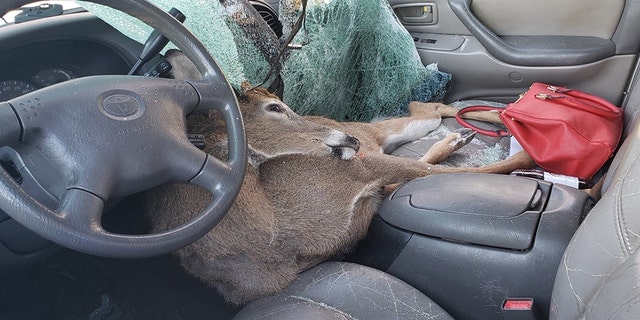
[598, 277]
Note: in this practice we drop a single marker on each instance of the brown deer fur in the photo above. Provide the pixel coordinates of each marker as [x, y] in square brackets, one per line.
[309, 192]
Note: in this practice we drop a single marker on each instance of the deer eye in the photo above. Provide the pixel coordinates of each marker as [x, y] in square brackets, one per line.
[274, 108]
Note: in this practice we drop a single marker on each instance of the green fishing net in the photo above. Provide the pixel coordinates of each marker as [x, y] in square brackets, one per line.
[355, 62]
[359, 64]
[204, 18]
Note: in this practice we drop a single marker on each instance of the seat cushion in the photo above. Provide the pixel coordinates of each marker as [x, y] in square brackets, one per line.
[619, 296]
[339, 290]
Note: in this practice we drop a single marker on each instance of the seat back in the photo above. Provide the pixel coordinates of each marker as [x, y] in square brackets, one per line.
[599, 275]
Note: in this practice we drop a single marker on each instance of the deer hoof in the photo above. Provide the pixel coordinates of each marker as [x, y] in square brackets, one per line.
[343, 153]
[461, 137]
[343, 146]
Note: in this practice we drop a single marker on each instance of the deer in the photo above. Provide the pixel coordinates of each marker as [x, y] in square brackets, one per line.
[310, 191]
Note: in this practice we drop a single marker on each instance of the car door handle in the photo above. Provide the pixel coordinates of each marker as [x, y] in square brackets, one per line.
[533, 50]
[417, 13]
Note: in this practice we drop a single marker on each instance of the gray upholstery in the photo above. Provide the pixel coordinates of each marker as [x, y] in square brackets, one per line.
[339, 290]
[599, 276]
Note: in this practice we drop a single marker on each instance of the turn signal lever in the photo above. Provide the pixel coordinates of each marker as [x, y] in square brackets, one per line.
[155, 43]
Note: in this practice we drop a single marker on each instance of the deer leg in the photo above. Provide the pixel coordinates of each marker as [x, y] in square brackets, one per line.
[431, 109]
[424, 118]
[392, 133]
[447, 111]
[445, 147]
[484, 116]
[520, 160]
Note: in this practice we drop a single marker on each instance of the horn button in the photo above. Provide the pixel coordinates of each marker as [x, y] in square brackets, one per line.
[122, 105]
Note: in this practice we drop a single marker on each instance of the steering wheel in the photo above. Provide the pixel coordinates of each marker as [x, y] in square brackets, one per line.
[111, 136]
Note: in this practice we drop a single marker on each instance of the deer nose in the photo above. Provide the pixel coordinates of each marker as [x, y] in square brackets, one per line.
[343, 146]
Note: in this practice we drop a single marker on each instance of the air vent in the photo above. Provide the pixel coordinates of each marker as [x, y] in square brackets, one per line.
[269, 15]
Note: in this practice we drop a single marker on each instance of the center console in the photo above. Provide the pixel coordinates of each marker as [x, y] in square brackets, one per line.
[470, 241]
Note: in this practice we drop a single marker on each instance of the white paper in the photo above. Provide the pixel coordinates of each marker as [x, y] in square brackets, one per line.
[514, 146]
[562, 179]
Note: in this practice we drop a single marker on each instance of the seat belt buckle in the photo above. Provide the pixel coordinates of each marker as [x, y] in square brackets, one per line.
[519, 309]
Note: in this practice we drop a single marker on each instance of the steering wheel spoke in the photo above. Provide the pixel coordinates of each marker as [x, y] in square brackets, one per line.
[215, 175]
[10, 129]
[80, 212]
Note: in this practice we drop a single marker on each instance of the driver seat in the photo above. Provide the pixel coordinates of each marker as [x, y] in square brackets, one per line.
[598, 277]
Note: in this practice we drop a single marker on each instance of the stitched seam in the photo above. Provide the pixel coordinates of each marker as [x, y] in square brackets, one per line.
[323, 305]
[622, 223]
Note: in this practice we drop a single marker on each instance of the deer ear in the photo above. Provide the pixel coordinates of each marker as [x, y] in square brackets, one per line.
[245, 86]
[181, 66]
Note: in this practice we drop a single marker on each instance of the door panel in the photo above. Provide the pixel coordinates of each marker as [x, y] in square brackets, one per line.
[594, 18]
[479, 75]
[533, 50]
[496, 48]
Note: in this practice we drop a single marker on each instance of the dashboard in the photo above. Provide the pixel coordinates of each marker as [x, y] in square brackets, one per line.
[42, 64]
[10, 89]
[42, 53]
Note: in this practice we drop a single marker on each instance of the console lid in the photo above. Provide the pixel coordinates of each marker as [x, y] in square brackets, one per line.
[485, 209]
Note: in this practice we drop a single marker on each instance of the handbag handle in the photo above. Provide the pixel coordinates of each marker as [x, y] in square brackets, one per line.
[598, 105]
[490, 133]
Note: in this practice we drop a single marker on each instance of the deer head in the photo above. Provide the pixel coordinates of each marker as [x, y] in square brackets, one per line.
[274, 129]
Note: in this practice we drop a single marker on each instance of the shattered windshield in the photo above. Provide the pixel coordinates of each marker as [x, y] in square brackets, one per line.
[350, 60]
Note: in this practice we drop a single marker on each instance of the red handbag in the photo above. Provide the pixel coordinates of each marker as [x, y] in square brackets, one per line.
[564, 131]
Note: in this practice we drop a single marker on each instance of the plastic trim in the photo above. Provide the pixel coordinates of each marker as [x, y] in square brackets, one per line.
[534, 50]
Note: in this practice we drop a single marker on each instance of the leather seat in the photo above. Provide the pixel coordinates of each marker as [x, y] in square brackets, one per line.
[341, 290]
[598, 278]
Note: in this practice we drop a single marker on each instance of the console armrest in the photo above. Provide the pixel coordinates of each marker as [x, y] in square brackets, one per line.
[492, 210]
